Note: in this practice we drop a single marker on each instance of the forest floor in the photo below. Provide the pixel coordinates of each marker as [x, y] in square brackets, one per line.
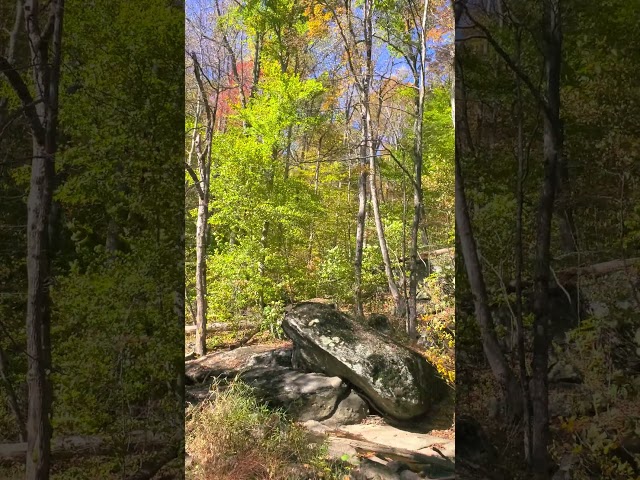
[374, 442]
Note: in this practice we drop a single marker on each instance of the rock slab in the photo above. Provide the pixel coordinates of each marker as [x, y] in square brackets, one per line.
[305, 396]
[397, 381]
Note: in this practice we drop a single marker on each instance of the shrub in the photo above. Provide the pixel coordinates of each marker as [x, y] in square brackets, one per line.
[438, 327]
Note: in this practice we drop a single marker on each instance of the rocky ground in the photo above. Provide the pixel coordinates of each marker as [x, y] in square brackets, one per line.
[334, 409]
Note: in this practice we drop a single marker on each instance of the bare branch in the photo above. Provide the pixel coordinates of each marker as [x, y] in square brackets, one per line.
[22, 91]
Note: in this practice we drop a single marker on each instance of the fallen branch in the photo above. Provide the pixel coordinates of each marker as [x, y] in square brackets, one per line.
[221, 327]
[399, 454]
[82, 445]
[598, 269]
[243, 341]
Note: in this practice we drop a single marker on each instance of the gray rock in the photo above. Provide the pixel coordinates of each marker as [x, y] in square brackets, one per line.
[396, 466]
[342, 451]
[272, 358]
[564, 372]
[567, 464]
[396, 380]
[324, 301]
[305, 396]
[370, 470]
[624, 305]
[350, 410]
[409, 475]
[599, 309]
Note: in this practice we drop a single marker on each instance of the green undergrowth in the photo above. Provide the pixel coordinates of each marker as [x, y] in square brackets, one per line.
[231, 435]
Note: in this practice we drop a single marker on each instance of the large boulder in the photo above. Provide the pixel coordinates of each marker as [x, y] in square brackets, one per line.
[397, 381]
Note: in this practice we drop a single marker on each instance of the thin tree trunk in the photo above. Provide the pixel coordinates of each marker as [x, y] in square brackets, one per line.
[524, 377]
[316, 187]
[384, 250]
[490, 345]
[38, 314]
[46, 75]
[415, 226]
[202, 182]
[552, 152]
[201, 276]
[370, 152]
[360, 225]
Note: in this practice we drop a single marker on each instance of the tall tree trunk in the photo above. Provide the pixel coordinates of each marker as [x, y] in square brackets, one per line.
[46, 76]
[552, 153]
[499, 367]
[524, 377]
[418, 128]
[398, 299]
[38, 315]
[370, 152]
[202, 183]
[360, 225]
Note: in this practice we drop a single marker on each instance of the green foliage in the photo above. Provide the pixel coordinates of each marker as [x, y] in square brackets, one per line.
[439, 326]
[111, 352]
[272, 316]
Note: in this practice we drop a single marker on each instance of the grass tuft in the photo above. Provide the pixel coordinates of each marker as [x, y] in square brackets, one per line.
[231, 435]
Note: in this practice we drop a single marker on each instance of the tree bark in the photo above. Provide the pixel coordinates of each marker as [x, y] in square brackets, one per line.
[45, 49]
[552, 152]
[201, 276]
[524, 376]
[360, 225]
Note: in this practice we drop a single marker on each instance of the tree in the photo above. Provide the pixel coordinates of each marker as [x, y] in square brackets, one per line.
[361, 67]
[42, 111]
[201, 181]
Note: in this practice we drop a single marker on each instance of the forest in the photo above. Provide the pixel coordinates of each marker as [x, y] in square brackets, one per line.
[319, 239]
[319, 166]
[91, 256]
[546, 221]
[319, 163]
